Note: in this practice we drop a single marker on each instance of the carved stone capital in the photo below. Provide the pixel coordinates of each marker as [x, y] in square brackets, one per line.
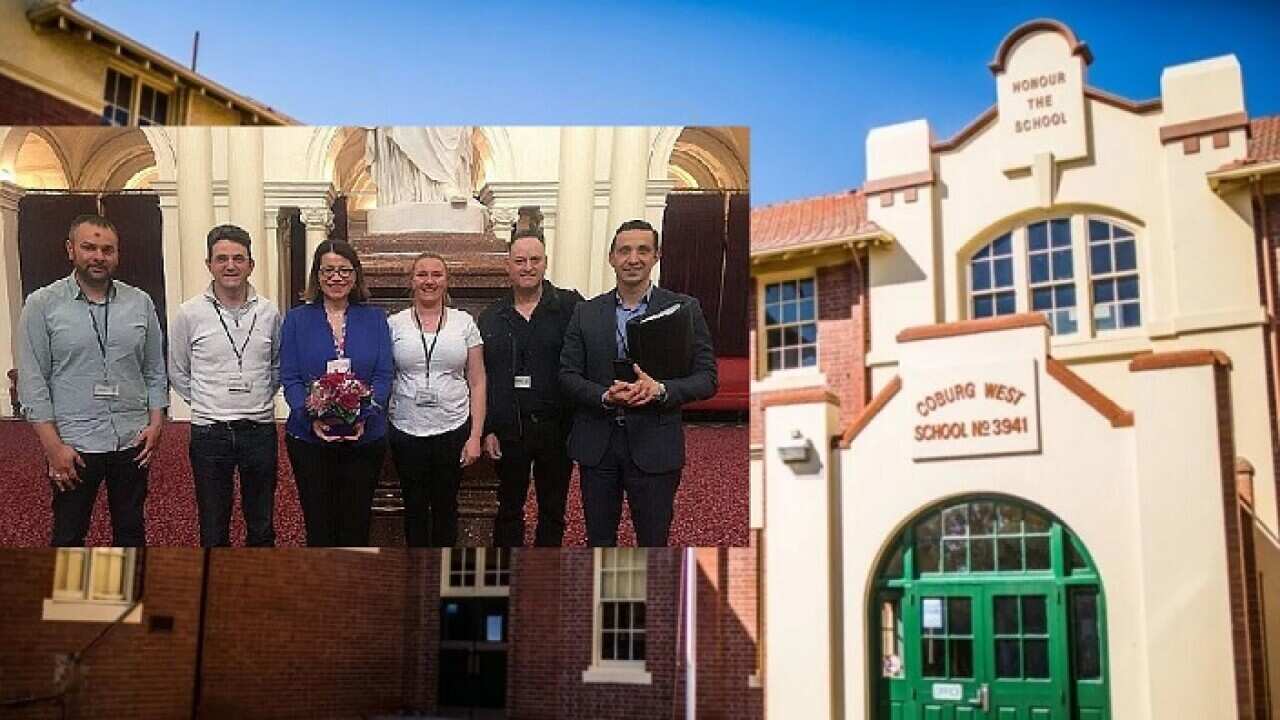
[316, 218]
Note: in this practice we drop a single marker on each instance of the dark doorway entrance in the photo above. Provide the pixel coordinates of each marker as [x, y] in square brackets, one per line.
[473, 652]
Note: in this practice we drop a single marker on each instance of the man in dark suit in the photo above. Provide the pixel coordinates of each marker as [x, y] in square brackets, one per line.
[627, 436]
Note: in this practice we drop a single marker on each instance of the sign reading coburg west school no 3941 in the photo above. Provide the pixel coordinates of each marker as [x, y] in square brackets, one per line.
[974, 410]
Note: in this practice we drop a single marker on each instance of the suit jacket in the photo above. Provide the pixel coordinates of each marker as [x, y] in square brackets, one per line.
[654, 432]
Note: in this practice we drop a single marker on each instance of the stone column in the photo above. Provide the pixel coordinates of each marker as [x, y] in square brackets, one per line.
[244, 188]
[10, 286]
[195, 204]
[570, 248]
[628, 178]
[319, 221]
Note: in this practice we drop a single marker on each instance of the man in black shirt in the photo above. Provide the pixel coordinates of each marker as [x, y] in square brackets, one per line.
[527, 420]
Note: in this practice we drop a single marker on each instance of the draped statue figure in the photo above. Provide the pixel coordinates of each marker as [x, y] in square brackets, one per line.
[420, 164]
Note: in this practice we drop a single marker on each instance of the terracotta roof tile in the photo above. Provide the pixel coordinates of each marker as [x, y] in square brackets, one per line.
[1264, 139]
[809, 221]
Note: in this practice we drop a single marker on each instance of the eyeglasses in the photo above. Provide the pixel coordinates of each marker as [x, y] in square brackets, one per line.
[344, 272]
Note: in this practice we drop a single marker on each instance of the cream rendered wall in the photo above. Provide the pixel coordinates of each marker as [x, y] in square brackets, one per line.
[56, 63]
[203, 110]
[1146, 502]
[1267, 547]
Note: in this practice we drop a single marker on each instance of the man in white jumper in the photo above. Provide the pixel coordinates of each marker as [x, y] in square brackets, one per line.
[224, 360]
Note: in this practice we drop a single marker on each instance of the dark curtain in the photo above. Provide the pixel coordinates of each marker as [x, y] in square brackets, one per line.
[137, 218]
[42, 236]
[693, 252]
[737, 279]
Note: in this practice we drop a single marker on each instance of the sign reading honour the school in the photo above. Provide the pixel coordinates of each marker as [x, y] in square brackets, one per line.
[961, 411]
[1040, 99]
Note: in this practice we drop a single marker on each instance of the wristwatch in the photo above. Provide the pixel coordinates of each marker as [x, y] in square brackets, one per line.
[662, 392]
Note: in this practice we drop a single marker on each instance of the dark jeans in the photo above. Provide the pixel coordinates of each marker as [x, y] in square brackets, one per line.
[651, 497]
[216, 452]
[126, 493]
[543, 446]
[335, 487]
[429, 478]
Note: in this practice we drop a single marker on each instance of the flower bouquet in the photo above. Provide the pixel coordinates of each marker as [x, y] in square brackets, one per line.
[337, 399]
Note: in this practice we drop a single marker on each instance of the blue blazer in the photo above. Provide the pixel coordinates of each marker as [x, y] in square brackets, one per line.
[306, 347]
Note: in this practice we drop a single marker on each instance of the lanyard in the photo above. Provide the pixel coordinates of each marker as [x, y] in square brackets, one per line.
[428, 353]
[102, 336]
[240, 350]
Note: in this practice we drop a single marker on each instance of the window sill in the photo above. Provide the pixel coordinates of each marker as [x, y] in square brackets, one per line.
[85, 611]
[790, 380]
[755, 681]
[617, 675]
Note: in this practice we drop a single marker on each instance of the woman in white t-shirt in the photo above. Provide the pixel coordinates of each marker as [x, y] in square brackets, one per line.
[437, 403]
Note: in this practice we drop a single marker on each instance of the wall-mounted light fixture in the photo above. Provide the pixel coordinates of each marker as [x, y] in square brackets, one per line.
[796, 450]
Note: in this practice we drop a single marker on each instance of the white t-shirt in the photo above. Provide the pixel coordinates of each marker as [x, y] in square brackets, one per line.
[448, 380]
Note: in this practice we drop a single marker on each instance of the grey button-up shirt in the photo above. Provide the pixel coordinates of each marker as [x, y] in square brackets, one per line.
[202, 362]
[60, 362]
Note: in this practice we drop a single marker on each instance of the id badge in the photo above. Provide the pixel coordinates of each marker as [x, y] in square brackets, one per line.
[426, 398]
[524, 382]
[341, 365]
[239, 385]
[106, 391]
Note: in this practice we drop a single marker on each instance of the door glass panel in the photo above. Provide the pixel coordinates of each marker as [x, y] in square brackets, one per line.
[959, 616]
[1008, 658]
[1008, 519]
[955, 520]
[982, 518]
[1084, 634]
[1006, 613]
[961, 658]
[1037, 657]
[927, 556]
[954, 558]
[933, 655]
[1033, 619]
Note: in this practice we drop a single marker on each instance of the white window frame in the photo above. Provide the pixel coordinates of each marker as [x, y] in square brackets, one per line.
[135, 96]
[1115, 275]
[762, 327]
[78, 594]
[482, 588]
[1081, 275]
[621, 672]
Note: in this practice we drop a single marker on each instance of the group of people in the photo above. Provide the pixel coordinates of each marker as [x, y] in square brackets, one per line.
[533, 385]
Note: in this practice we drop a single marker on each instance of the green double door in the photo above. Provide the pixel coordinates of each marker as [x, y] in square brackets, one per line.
[993, 650]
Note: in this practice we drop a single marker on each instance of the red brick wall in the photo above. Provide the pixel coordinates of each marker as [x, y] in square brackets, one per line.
[533, 689]
[842, 332]
[24, 105]
[1270, 211]
[132, 671]
[323, 628]
[727, 634]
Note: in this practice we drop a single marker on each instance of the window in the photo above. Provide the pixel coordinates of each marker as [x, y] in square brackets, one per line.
[120, 95]
[619, 636]
[476, 571]
[1033, 267]
[982, 536]
[1053, 291]
[1113, 269]
[991, 279]
[93, 584]
[790, 324]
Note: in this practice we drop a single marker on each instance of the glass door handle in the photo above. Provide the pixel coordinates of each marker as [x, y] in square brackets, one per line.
[983, 699]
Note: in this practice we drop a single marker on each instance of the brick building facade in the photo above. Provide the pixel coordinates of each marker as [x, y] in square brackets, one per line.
[334, 633]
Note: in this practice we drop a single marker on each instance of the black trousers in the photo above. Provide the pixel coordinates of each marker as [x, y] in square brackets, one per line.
[335, 487]
[216, 452]
[651, 497]
[429, 478]
[543, 448]
[126, 494]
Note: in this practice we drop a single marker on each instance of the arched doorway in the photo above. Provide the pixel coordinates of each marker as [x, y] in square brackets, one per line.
[988, 607]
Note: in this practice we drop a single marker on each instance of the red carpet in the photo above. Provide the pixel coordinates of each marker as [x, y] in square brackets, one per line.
[712, 504]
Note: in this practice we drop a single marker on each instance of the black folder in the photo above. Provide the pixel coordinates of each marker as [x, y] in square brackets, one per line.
[661, 343]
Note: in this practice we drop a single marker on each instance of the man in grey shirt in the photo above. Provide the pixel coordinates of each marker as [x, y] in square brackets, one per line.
[224, 359]
[91, 380]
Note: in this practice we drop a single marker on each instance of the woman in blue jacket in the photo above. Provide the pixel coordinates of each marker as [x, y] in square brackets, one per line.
[333, 331]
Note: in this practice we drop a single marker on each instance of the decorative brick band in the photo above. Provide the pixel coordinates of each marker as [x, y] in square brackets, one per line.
[1118, 416]
[1179, 359]
[898, 182]
[970, 327]
[1206, 126]
[798, 397]
[877, 404]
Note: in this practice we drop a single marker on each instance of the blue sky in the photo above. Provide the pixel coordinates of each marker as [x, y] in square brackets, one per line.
[810, 79]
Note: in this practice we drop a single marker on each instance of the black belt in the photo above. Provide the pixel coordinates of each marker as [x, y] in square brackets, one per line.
[236, 424]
